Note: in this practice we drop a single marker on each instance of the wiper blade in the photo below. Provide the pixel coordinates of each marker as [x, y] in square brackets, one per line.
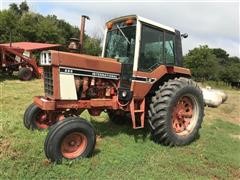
[123, 34]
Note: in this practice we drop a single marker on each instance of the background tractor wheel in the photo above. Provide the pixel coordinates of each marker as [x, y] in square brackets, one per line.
[118, 117]
[176, 112]
[25, 74]
[72, 138]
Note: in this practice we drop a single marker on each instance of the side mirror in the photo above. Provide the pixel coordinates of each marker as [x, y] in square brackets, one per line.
[185, 35]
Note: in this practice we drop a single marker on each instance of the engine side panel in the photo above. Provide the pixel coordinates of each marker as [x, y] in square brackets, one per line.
[80, 84]
[67, 87]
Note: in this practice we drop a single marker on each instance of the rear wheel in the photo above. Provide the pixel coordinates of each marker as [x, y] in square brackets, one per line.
[176, 112]
[25, 74]
[72, 138]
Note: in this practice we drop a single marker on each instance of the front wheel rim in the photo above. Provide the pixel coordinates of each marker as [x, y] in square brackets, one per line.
[73, 145]
[185, 115]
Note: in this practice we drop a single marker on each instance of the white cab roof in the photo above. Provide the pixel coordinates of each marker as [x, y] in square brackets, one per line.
[145, 20]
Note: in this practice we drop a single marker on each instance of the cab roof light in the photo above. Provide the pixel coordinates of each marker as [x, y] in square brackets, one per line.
[129, 22]
[109, 25]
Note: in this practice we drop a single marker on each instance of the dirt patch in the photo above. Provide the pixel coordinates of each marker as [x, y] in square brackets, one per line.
[7, 150]
[228, 111]
[4, 147]
[235, 136]
[98, 138]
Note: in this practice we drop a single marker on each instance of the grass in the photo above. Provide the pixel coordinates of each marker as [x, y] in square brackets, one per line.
[216, 84]
[121, 153]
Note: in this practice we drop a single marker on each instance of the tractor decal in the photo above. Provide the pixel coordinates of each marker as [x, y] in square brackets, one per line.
[89, 73]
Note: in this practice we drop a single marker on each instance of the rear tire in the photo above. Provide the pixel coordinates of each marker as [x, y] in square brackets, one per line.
[25, 74]
[70, 139]
[176, 112]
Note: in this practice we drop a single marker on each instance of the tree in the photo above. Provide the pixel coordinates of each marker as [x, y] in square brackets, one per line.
[19, 10]
[28, 27]
[203, 63]
[230, 73]
[9, 23]
[25, 25]
[14, 7]
[92, 46]
[221, 55]
[213, 64]
[48, 31]
[24, 7]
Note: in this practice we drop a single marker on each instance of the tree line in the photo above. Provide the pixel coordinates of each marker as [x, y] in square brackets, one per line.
[205, 63]
[212, 64]
[24, 25]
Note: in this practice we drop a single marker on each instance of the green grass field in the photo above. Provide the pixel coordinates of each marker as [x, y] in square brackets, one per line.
[121, 153]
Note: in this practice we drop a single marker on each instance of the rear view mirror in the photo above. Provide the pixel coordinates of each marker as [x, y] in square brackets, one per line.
[185, 35]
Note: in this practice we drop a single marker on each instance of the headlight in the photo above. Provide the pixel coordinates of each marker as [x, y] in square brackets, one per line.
[45, 58]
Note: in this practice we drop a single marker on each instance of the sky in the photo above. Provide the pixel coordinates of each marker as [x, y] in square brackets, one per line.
[214, 23]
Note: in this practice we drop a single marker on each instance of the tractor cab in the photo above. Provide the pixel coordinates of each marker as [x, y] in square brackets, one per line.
[142, 43]
[141, 46]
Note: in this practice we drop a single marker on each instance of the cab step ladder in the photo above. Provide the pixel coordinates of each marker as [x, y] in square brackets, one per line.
[137, 109]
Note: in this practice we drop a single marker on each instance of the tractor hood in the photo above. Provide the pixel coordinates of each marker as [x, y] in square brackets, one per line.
[65, 59]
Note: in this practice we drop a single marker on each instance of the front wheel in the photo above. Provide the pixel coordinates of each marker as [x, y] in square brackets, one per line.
[176, 112]
[72, 138]
[36, 118]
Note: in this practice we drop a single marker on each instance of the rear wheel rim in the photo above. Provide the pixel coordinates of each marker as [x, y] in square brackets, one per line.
[73, 145]
[185, 115]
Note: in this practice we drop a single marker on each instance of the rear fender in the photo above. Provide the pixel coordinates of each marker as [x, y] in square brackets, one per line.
[144, 82]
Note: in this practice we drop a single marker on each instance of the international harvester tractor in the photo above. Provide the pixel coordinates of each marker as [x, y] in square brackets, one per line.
[138, 77]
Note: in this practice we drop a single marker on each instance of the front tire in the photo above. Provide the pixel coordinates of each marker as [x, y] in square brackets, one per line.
[70, 139]
[36, 118]
[26, 120]
[176, 112]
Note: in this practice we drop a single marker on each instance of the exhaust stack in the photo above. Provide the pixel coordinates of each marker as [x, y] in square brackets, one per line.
[82, 28]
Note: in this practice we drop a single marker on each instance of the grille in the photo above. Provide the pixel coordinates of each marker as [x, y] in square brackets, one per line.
[48, 80]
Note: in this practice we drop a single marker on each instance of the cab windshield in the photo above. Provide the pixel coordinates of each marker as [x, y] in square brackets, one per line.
[120, 44]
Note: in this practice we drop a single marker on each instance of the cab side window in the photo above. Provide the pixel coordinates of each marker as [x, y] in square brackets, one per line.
[157, 47]
[169, 48]
[151, 50]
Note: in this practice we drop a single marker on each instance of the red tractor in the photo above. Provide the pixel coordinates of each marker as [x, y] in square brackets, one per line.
[139, 77]
[20, 56]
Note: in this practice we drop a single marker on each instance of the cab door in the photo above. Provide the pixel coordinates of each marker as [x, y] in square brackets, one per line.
[157, 50]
